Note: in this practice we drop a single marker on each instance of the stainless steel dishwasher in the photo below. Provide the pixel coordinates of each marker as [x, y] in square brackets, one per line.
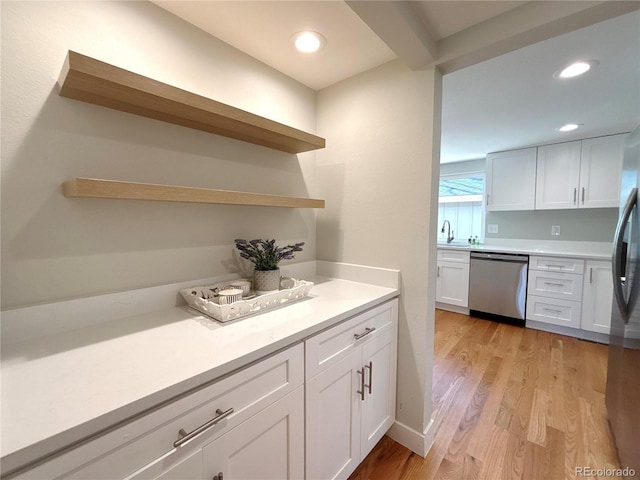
[498, 284]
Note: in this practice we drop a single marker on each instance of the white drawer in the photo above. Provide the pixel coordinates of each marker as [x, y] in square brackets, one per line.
[557, 264]
[457, 256]
[329, 347]
[554, 311]
[565, 286]
[124, 450]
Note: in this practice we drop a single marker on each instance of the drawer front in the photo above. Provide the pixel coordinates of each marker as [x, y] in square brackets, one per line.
[457, 256]
[554, 311]
[555, 285]
[557, 264]
[329, 347]
[125, 450]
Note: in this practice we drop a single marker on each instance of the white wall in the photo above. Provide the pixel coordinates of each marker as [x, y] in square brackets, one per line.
[380, 170]
[54, 247]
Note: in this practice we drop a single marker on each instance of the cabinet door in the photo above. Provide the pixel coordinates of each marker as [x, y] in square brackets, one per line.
[268, 446]
[379, 406]
[511, 180]
[600, 171]
[558, 176]
[333, 420]
[598, 292]
[167, 468]
[452, 285]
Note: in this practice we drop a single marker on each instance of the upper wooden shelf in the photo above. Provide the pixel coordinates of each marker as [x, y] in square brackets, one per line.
[90, 80]
[99, 188]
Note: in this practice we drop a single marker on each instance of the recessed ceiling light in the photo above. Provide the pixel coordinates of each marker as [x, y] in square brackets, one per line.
[569, 127]
[308, 42]
[575, 69]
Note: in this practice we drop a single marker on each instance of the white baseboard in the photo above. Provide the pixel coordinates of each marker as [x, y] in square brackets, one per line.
[452, 308]
[417, 442]
[570, 332]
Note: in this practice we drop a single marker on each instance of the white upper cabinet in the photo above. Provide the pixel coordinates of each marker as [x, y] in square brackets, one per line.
[582, 174]
[511, 180]
[558, 176]
[600, 171]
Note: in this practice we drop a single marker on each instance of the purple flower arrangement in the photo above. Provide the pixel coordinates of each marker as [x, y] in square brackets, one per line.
[265, 254]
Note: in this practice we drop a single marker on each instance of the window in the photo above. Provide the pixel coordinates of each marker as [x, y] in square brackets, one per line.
[461, 202]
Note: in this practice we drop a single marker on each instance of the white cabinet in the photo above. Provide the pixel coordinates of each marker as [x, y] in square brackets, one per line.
[145, 447]
[452, 277]
[597, 296]
[558, 176]
[189, 468]
[553, 295]
[511, 180]
[581, 174]
[600, 171]
[350, 391]
[268, 446]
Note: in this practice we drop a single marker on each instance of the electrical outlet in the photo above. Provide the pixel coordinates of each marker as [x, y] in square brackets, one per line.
[492, 228]
[555, 230]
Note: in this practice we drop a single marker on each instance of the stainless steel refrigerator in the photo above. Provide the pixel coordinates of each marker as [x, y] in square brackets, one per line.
[623, 375]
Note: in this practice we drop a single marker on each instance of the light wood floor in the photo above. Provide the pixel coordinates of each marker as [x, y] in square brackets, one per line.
[508, 403]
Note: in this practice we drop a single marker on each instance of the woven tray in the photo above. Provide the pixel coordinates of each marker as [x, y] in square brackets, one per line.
[203, 299]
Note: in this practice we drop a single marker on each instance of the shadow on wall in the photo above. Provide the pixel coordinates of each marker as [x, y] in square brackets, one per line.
[330, 235]
[51, 243]
[70, 138]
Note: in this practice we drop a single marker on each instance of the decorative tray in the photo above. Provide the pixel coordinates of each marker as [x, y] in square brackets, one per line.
[203, 299]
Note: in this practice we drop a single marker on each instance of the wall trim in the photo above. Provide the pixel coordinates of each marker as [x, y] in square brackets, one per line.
[417, 442]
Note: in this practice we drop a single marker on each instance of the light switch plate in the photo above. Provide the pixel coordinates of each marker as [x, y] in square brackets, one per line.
[555, 230]
[492, 228]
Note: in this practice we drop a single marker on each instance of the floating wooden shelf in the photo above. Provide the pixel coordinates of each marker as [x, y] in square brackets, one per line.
[97, 188]
[84, 78]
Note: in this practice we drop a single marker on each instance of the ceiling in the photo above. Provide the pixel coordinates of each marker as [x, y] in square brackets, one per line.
[507, 102]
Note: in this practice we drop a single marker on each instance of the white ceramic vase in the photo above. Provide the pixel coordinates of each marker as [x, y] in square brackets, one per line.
[266, 280]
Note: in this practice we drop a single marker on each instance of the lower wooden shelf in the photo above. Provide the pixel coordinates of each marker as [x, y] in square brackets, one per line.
[98, 188]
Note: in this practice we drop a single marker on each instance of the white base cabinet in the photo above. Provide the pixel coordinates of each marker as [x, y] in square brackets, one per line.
[268, 446]
[452, 277]
[597, 297]
[251, 425]
[554, 295]
[350, 391]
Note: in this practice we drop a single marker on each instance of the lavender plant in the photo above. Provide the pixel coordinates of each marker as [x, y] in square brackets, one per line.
[265, 254]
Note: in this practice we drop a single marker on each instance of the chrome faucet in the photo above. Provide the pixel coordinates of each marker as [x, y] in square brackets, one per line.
[450, 236]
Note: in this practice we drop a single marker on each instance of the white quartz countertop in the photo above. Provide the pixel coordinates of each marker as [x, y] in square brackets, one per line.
[586, 250]
[62, 388]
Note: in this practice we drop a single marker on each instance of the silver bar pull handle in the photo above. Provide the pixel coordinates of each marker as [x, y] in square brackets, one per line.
[583, 195]
[591, 275]
[370, 367]
[551, 310]
[618, 260]
[575, 195]
[438, 271]
[219, 476]
[361, 392]
[554, 284]
[487, 199]
[366, 332]
[185, 437]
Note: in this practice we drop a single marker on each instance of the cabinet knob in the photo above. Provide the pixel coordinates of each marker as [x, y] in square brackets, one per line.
[219, 476]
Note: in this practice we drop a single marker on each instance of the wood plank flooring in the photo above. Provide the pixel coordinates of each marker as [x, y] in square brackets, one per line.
[508, 403]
